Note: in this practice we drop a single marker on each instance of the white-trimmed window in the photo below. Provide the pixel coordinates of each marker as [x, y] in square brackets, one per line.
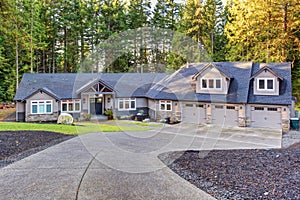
[41, 107]
[165, 105]
[126, 103]
[266, 84]
[73, 105]
[211, 83]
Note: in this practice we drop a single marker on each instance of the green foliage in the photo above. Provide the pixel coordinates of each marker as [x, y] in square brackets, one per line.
[93, 36]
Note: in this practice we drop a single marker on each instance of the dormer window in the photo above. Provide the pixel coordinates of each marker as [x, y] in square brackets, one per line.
[211, 83]
[266, 84]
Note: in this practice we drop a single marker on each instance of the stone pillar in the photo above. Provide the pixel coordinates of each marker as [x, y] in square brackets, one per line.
[285, 122]
[208, 114]
[242, 116]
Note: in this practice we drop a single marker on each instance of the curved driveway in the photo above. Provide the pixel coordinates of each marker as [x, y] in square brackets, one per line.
[121, 165]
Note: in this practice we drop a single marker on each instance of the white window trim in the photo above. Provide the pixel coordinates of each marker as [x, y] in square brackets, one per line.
[266, 84]
[124, 100]
[67, 101]
[165, 102]
[38, 104]
[207, 82]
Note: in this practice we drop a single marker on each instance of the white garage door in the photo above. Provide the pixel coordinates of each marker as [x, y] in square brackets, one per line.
[263, 117]
[193, 113]
[224, 115]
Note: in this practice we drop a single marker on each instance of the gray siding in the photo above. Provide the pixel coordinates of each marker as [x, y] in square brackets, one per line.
[266, 74]
[212, 73]
[41, 117]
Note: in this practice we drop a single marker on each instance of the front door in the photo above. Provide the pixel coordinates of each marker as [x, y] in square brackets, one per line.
[96, 106]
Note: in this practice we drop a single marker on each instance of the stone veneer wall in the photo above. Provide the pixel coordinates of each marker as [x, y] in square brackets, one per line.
[165, 114]
[242, 119]
[42, 117]
[285, 122]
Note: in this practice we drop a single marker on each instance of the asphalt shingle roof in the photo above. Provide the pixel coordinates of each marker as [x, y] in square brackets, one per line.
[283, 70]
[65, 85]
[176, 86]
[179, 86]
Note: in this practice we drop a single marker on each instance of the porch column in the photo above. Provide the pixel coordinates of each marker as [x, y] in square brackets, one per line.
[113, 105]
[208, 114]
[242, 116]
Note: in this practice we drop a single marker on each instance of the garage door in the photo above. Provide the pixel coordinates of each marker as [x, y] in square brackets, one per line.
[193, 113]
[264, 117]
[224, 115]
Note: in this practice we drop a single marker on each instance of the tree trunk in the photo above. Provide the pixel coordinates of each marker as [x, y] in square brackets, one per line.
[65, 49]
[17, 63]
[284, 26]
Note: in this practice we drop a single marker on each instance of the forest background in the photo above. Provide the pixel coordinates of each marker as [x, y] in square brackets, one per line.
[63, 36]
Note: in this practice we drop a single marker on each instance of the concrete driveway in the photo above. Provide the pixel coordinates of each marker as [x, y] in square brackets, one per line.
[122, 165]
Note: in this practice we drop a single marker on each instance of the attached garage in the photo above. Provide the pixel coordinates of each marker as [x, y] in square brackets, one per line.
[226, 115]
[193, 113]
[265, 117]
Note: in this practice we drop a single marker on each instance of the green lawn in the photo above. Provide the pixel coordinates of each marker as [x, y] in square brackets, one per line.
[78, 128]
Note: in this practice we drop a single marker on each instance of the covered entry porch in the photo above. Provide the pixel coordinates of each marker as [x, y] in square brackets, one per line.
[97, 97]
[97, 103]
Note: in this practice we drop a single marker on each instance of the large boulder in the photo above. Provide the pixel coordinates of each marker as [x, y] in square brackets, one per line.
[65, 118]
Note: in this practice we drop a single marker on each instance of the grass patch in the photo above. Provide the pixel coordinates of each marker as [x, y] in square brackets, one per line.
[78, 128]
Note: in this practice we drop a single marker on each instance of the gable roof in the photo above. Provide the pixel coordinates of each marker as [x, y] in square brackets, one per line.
[266, 68]
[282, 70]
[45, 90]
[178, 86]
[66, 85]
[219, 67]
[91, 84]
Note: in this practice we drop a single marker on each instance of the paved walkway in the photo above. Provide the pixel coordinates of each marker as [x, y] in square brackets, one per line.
[121, 165]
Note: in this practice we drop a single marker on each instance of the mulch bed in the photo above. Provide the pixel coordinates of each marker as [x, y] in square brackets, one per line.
[243, 174]
[15, 145]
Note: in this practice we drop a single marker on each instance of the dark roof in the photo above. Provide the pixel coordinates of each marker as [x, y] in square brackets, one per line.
[65, 85]
[219, 67]
[45, 90]
[283, 70]
[177, 86]
[266, 68]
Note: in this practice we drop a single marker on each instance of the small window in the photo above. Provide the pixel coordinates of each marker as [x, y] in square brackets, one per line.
[270, 84]
[127, 104]
[189, 105]
[218, 83]
[72, 105]
[165, 105]
[272, 109]
[230, 107]
[261, 84]
[41, 107]
[218, 107]
[34, 109]
[204, 83]
[266, 84]
[258, 108]
[200, 106]
[211, 83]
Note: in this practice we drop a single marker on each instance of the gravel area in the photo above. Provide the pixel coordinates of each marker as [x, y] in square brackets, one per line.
[243, 174]
[15, 145]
